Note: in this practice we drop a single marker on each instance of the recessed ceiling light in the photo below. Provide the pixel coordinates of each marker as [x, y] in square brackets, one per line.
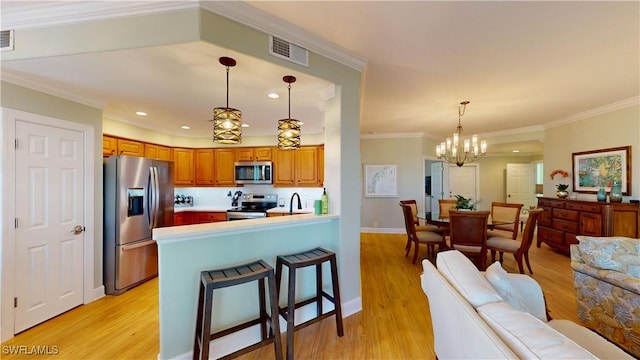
[515, 151]
[273, 96]
[245, 125]
[185, 127]
[141, 113]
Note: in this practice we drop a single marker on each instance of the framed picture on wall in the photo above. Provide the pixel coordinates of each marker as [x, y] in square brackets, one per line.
[380, 181]
[599, 168]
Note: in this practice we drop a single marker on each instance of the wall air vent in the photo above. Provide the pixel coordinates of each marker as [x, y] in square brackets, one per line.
[6, 40]
[288, 51]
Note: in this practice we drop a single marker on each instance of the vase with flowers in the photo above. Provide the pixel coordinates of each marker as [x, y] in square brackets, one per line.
[561, 189]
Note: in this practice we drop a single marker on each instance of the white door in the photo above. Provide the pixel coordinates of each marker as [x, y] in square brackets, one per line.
[463, 181]
[520, 184]
[436, 185]
[49, 205]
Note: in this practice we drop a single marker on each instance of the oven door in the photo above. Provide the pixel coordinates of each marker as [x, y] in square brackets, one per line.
[244, 215]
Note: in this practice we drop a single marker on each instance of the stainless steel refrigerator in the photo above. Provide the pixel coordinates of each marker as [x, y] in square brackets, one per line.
[138, 196]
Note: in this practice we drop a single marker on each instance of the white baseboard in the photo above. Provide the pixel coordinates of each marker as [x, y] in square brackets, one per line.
[238, 340]
[383, 230]
[98, 293]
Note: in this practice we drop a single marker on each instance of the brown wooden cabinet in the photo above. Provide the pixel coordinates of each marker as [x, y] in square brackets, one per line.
[183, 169]
[223, 170]
[297, 167]
[157, 152]
[254, 154]
[214, 167]
[204, 167]
[130, 147]
[109, 146]
[563, 220]
[211, 216]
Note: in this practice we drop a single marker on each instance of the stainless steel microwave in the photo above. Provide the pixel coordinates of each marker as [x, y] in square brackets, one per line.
[260, 172]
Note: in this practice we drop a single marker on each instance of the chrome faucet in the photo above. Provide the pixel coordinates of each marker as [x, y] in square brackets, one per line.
[291, 203]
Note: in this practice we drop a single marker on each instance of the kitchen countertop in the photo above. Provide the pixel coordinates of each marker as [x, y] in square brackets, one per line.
[177, 209]
[285, 210]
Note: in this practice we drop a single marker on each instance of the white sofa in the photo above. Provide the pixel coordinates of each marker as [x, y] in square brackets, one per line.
[496, 315]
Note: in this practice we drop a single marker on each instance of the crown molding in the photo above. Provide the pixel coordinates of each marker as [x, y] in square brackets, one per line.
[594, 112]
[255, 18]
[49, 13]
[392, 135]
[17, 79]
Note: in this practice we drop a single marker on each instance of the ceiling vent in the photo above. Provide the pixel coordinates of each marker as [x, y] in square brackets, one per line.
[288, 51]
[6, 40]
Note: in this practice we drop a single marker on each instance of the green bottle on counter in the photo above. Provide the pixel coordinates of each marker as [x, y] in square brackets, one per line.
[325, 201]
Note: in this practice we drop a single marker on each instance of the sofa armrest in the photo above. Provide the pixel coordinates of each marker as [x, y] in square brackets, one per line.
[532, 294]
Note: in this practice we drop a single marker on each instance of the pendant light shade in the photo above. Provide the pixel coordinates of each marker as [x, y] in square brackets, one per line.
[227, 122]
[289, 129]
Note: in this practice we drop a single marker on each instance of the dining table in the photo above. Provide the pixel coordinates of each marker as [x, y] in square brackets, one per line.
[434, 218]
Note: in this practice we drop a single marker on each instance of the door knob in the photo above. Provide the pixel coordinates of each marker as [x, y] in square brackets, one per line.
[78, 229]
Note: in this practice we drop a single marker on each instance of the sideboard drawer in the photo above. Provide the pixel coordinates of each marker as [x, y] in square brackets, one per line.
[550, 235]
[565, 226]
[550, 203]
[584, 207]
[565, 214]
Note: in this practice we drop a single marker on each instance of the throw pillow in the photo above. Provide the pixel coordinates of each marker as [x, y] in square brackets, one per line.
[499, 279]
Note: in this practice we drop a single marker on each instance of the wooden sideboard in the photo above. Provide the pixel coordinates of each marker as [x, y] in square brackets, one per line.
[564, 219]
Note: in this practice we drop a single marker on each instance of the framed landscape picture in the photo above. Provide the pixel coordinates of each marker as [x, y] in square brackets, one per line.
[380, 181]
[599, 168]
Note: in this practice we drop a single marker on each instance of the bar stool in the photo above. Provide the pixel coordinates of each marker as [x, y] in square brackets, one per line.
[315, 257]
[221, 278]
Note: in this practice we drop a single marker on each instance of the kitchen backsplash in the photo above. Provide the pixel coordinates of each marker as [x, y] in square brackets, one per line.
[217, 196]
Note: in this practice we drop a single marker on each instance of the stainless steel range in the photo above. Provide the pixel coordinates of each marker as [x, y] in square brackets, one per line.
[253, 206]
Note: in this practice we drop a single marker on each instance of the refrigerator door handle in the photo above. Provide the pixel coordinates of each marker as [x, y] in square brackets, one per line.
[156, 197]
[153, 200]
[137, 245]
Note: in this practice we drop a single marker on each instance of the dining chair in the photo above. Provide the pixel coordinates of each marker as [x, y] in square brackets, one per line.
[519, 249]
[445, 205]
[414, 210]
[430, 238]
[508, 213]
[468, 234]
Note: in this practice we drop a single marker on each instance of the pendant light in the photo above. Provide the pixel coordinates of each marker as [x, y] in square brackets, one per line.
[289, 129]
[460, 151]
[227, 122]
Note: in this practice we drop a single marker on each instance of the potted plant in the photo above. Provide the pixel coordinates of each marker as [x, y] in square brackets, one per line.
[562, 190]
[463, 203]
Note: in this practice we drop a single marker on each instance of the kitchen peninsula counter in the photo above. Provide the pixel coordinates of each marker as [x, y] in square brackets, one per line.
[185, 251]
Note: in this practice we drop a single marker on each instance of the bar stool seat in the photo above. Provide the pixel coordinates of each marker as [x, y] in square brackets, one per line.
[221, 278]
[315, 257]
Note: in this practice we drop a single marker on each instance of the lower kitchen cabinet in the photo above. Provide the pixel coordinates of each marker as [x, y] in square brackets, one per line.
[198, 217]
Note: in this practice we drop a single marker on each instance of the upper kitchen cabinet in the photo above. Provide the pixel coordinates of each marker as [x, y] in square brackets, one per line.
[130, 147]
[214, 167]
[254, 154]
[109, 146]
[223, 169]
[157, 152]
[184, 173]
[298, 167]
[204, 167]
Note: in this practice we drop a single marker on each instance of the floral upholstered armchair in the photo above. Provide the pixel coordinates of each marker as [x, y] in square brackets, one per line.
[606, 276]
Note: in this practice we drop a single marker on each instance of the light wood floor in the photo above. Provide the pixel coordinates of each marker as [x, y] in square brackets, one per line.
[394, 323]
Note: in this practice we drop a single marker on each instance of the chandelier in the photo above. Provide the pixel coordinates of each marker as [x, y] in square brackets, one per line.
[289, 129]
[458, 150]
[227, 122]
